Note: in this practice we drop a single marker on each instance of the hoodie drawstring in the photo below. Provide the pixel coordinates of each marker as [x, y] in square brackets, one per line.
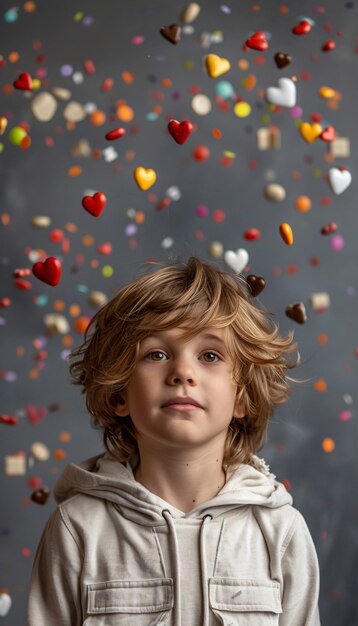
[174, 549]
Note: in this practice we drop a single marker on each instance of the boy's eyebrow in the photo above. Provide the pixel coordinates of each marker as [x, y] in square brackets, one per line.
[203, 336]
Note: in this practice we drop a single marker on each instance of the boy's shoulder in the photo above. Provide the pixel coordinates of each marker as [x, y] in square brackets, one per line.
[81, 507]
[278, 524]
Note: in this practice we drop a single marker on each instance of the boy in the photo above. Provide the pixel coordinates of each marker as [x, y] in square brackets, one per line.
[178, 523]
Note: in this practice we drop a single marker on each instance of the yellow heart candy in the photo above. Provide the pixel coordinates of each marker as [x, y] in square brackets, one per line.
[36, 83]
[3, 125]
[310, 132]
[216, 65]
[327, 92]
[144, 178]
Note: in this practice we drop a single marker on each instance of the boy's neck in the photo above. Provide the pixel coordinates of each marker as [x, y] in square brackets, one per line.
[184, 485]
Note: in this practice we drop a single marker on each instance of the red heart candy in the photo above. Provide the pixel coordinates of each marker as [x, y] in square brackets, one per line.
[35, 415]
[328, 134]
[180, 131]
[257, 41]
[302, 28]
[49, 271]
[23, 82]
[115, 134]
[94, 204]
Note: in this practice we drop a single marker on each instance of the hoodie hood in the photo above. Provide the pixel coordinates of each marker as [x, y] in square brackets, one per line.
[106, 478]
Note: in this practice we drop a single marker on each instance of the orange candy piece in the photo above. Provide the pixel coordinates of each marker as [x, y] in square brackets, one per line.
[286, 233]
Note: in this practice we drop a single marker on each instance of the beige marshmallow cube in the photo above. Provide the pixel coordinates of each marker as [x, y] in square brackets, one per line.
[320, 300]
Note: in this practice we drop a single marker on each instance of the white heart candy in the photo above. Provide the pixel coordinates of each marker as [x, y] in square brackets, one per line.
[237, 260]
[284, 95]
[339, 180]
[5, 604]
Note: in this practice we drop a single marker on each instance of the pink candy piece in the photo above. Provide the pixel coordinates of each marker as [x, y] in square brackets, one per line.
[345, 415]
[337, 243]
[201, 210]
[137, 40]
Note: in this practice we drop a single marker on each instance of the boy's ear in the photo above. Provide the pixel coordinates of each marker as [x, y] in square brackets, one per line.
[120, 406]
[239, 410]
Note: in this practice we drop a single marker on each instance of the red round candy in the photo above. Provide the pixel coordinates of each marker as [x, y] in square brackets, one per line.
[56, 235]
[329, 45]
[201, 153]
[4, 302]
[252, 234]
[35, 482]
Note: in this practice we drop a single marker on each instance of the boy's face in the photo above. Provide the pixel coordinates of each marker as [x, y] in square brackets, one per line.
[168, 367]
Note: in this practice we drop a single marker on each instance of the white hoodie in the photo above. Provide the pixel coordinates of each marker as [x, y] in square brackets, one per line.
[115, 554]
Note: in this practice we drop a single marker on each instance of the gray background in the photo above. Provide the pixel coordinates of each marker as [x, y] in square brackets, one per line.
[36, 182]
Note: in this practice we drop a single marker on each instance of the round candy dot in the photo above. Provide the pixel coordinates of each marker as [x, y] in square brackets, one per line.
[60, 455]
[107, 271]
[124, 112]
[344, 416]
[34, 482]
[97, 118]
[202, 210]
[77, 78]
[303, 204]
[10, 377]
[219, 216]
[328, 445]
[131, 230]
[127, 77]
[74, 310]
[201, 153]
[201, 104]
[137, 40]
[81, 324]
[26, 552]
[76, 170]
[320, 385]
[65, 437]
[66, 70]
[224, 89]
[16, 135]
[337, 243]
[242, 109]
[88, 20]
[296, 112]
[11, 15]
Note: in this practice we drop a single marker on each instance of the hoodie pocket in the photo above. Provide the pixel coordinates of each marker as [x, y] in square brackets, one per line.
[130, 602]
[245, 602]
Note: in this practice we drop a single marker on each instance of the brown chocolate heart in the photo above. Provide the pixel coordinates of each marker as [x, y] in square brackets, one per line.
[40, 496]
[297, 312]
[282, 59]
[256, 284]
[172, 33]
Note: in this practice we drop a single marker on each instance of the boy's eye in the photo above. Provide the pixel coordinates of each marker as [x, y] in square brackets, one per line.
[156, 352]
[159, 352]
[212, 354]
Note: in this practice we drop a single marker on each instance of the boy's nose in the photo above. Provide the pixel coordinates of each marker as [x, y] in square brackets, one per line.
[182, 371]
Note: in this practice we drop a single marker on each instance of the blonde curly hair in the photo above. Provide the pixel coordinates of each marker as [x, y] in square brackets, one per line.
[193, 295]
